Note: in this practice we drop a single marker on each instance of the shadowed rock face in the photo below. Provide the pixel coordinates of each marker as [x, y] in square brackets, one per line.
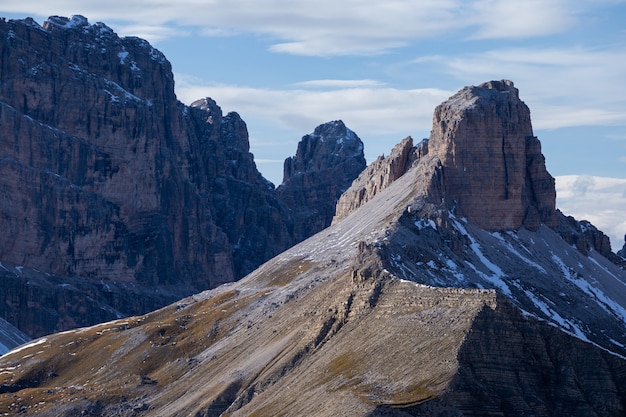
[112, 186]
[325, 164]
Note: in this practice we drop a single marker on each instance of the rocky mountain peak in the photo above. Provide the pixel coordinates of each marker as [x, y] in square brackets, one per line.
[493, 172]
[326, 162]
[121, 198]
[329, 143]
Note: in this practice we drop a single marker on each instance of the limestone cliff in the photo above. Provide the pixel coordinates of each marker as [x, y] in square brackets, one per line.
[485, 162]
[379, 175]
[325, 164]
[493, 171]
[112, 186]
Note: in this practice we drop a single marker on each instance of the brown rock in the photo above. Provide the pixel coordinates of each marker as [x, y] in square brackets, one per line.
[493, 172]
[106, 177]
[379, 174]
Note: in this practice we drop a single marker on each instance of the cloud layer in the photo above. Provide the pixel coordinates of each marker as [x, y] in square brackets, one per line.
[324, 27]
[600, 200]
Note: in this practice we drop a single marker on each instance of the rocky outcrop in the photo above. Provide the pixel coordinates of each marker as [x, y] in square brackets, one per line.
[493, 172]
[481, 160]
[325, 165]
[400, 308]
[379, 175]
[108, 180]
[586, 237]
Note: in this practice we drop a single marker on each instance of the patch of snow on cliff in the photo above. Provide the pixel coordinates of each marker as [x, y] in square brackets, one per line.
[515, 252]
[596, 294]
[123, 56]
[424, 223]
[556, 317]
[496, 278]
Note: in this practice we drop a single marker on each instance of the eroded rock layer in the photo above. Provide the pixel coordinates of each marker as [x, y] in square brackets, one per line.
[112, 186]
[493, 169]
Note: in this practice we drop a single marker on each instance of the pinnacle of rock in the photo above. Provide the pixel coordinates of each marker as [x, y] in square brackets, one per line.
[493, 172]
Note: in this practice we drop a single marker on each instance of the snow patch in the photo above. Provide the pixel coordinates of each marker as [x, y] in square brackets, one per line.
[123, 56]
[421, 224]
[596, 294]
[28, 345]
[497, 274]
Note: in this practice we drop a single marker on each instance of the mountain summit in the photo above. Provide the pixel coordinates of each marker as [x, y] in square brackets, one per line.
[411, 303]
[118, 199]
[493, 171]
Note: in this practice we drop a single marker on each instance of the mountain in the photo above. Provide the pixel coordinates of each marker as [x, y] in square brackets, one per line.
[117, 199]
[10, 337]
[411, 303]
[325, 164]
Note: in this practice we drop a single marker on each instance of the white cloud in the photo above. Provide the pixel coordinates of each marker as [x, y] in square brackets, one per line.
[322, 27]
[340, 83]
[565, 87]
[497, 19]
[366, 107]
[600, 200]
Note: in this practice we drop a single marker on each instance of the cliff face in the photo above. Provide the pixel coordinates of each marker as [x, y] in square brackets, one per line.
[325, 164]
[483, 137]
[379, 175]
[108, 180]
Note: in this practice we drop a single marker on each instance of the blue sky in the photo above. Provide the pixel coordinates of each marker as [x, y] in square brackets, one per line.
[287, 66]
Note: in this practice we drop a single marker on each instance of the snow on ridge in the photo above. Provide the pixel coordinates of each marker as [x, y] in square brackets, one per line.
[28, 345]
[496, 278]
[595, 293]
[567, 325]
[515, 252]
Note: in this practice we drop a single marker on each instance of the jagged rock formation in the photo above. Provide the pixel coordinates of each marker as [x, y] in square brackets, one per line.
[115, 195]
[493, 169]
[325, 164]
[379, 174]
[486, 164]
[401, 308]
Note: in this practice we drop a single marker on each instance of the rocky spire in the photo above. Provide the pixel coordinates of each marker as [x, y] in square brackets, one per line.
[325, 164]
[493, 171]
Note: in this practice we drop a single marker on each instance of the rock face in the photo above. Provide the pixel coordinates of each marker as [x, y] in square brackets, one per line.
[325, 164]
[113, 187]
[401, 309]
[493, 171]
[379, 175]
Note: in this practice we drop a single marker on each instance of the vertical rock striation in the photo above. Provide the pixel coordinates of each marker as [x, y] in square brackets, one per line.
[493, 171]
[110, 184]
[325, 164]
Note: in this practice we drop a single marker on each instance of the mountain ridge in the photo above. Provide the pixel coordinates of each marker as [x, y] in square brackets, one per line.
[117, 196]
[403, 307]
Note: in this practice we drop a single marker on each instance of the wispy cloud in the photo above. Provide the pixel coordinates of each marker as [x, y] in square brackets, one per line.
[565, 87]
[323, 27]
[365, 106]
[339, 83]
